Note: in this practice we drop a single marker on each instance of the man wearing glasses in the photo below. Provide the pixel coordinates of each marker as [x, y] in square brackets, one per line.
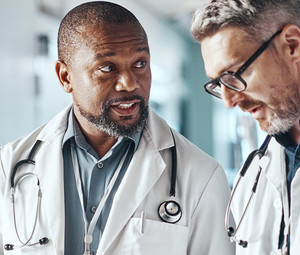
[251, 52]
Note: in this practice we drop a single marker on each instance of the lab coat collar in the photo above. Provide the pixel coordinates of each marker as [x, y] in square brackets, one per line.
[55, 127]
[159, 132]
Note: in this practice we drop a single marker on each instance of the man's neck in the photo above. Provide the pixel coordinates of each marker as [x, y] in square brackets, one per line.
[100, 141]
[101, 144]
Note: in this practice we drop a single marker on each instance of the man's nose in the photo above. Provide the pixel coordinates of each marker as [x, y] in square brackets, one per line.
[127, 81]
[230, 97]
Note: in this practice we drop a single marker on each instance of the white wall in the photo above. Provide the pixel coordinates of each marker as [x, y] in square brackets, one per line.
[16, 69]
[24, 103]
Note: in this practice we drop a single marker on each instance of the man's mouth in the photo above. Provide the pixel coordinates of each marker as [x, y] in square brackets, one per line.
[255, 111]
[126, 108]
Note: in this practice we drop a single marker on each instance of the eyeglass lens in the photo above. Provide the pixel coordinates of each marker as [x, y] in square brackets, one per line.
[233, 82]
[229, 80]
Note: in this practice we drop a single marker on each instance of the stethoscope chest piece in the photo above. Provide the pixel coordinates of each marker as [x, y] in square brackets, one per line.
[169, 211]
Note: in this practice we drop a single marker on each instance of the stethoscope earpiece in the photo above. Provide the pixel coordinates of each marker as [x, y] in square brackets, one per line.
[169, 211]
[44, 240]
[10, 247]
[230, 231]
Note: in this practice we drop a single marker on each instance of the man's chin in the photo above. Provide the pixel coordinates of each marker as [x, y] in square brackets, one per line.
[122, 130]
[126, 126]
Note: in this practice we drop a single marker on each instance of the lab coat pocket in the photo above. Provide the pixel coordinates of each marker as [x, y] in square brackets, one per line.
[150, 237]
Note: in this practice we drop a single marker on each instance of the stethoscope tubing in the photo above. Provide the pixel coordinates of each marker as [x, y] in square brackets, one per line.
[29, 160]
[174, 169]
[13, 188]
[36, 214]
[260, 153]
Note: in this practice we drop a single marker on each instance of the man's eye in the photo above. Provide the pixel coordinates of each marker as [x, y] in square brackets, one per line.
[140, 64]
[107, 68]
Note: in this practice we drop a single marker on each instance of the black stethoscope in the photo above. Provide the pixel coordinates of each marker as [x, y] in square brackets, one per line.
[260, 153]
[168, 211]
[13, 187]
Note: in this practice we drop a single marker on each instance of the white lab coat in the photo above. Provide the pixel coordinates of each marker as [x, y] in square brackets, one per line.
[261, 224]
[202, 192]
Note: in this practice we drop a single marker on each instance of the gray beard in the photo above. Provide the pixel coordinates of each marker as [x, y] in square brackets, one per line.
[104, 123]
[281, 125]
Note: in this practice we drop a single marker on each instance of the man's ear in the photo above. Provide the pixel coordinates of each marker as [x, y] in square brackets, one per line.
[291, 42]
[63, 75]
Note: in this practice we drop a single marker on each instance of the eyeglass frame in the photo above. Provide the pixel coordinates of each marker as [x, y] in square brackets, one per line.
[217, 81]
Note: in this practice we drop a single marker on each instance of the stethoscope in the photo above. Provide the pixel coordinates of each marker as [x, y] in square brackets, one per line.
[230, 230]
[168, 211]
[13, 187]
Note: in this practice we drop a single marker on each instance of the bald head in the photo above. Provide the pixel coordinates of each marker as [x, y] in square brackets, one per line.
[89, 14]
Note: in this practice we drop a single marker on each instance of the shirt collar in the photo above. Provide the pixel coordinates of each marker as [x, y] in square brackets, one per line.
[74, 131]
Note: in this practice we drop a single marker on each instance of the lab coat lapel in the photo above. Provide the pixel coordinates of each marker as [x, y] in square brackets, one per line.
[49, 168]
[143, 172]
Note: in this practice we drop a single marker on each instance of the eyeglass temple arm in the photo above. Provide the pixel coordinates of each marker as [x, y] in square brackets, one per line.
[257, 53]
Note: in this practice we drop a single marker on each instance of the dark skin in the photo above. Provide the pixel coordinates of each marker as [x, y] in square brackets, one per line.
[113, 61]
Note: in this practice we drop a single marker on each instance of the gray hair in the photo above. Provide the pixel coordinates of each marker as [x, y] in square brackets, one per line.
[257, 18]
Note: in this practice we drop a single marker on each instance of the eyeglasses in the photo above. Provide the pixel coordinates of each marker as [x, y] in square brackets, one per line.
[233, 80]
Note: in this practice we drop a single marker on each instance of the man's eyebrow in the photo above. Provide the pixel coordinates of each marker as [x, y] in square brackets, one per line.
[112, 53]
[105, 54]
[141, 49]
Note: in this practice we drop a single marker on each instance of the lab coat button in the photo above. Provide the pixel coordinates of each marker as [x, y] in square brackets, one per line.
[93, 209]
[277, 203]
[100, 165]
